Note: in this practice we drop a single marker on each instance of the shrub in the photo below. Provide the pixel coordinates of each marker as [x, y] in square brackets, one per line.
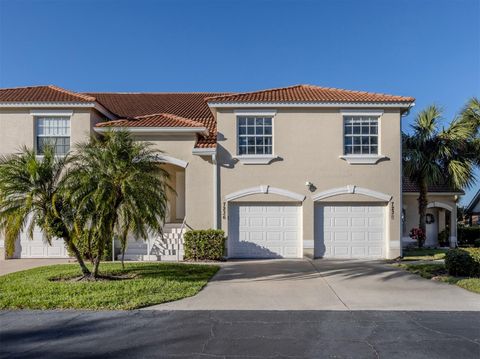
[466, 236]
[418, 235]
[443, 238]
[206, 244]
[464, 262]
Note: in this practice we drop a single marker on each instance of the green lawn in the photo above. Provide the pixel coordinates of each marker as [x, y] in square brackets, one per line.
[438, 271]
[153, 283]
[423, 254]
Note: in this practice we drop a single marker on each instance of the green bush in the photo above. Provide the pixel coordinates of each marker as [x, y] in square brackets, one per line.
[466, 236]
[464, 262]
[206, 244]
[443, 238]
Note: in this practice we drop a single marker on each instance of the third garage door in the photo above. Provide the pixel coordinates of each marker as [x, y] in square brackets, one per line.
[350, 231]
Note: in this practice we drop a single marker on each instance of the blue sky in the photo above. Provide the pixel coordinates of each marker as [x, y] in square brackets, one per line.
[429, 49]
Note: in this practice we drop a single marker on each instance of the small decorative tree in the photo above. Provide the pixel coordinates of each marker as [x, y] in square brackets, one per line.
[419, 235]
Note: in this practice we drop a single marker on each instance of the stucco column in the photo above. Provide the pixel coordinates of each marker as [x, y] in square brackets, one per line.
[453, 227]
[441, 219]
[308, 227]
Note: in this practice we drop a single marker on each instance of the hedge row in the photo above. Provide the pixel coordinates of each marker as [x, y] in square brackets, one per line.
[464, 262]
[207, 244]
[466, 236]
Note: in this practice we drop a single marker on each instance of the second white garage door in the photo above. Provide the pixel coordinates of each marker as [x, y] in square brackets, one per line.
[264, 230]
[350, 231]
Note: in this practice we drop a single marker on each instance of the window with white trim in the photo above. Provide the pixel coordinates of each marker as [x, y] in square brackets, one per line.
[360, 135]
[255, 136]
[55, 131]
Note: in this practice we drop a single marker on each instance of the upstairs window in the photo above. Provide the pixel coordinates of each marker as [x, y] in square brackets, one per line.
[360, 135]
[54, 131]
[255, 135]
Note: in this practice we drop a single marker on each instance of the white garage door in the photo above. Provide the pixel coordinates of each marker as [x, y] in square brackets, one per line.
[264, 231]
[350, 231]
[37, 248]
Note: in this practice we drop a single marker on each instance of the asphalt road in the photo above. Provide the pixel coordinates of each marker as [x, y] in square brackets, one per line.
[239, 334]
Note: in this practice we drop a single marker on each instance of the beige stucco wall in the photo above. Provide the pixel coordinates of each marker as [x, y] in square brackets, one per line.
[198, 176]
[308, 142]
[17, 127]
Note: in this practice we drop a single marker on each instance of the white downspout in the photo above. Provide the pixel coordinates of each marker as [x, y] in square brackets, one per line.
[215, 191]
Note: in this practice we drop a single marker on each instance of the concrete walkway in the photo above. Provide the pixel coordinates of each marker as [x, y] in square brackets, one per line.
[323, 285]
[16, 265]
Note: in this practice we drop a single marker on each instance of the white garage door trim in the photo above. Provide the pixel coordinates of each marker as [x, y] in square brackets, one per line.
[350, 230]
[261, 220]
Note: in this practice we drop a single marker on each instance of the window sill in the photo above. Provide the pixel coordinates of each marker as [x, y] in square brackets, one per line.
[362, 159]
[256, 159]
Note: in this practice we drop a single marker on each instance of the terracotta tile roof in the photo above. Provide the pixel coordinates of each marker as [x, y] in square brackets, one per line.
[42, 94]
[309, 93]
[187, 105]
[409, 186]
[190, 106]
[155, 120]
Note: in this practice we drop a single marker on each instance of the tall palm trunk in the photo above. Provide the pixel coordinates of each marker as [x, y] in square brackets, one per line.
[108, 234]
[73, 248]
[422, 204]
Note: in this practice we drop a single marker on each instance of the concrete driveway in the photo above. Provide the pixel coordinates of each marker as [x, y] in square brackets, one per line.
[323, 285]
[17, 265]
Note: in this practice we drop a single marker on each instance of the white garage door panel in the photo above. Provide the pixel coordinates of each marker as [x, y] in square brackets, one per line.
[37, 248]
[350, 231]
[264, 231]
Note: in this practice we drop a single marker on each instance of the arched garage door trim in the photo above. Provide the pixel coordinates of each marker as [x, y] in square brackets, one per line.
[352, 189]
[264, 189]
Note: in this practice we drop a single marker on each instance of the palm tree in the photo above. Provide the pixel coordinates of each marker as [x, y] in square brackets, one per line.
[433, 155]
[31, 195]
[119, 187]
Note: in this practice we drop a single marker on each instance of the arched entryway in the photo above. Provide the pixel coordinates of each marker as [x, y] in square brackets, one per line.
[441, 228]
[176, 196]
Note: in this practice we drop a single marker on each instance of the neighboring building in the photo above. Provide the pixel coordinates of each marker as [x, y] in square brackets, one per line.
[472, 211]
[287, 172]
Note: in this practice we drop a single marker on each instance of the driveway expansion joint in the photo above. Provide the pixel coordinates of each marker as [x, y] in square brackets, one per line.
[327, 283]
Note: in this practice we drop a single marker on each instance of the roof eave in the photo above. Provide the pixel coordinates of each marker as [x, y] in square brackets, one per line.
[220, 104]
[473, 202]
[154, 130]
[450, 193]
[53, 104]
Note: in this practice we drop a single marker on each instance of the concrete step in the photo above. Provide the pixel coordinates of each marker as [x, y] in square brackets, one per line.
[131, 257]
[170, 258]
[171, 236]
[169, 240]
[161, 246]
